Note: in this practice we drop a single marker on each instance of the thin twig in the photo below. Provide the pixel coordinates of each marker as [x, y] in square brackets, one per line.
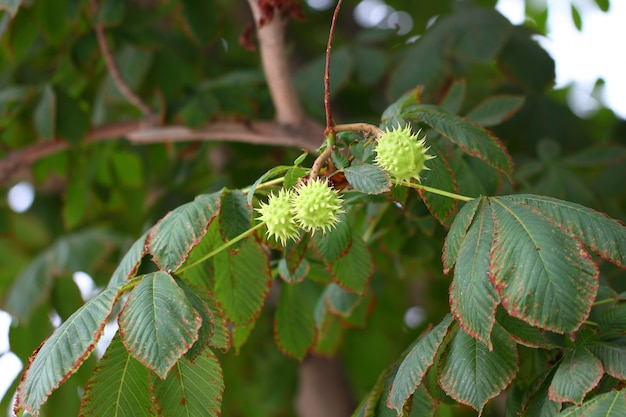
[331, 34]
[131, 97]
[320, 161]
[259, 133]
[359, 127]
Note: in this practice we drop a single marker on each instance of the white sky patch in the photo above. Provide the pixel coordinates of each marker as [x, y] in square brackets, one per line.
[9, 363]
[21, 196]
[85, 284]
[320, 4]
[582, 57]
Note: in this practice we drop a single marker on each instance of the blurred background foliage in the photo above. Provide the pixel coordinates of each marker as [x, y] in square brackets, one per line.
[184, 58]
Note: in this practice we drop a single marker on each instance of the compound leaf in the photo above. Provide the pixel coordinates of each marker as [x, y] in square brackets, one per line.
[457, 233]
[610, 404]
[472, 138]
[473, 300]
[542, 273]
[175, 235]
[472, 374]
[294, 324]
[415, 364]
[439, 175]
[577, 374]
[192, 388]
[604, 235]
[158, 324]
[62, 354]
[118, 386]
[353, 270]
[235, 214]
[494, 110]
[613, 357]
[242, 281]
[369, 179]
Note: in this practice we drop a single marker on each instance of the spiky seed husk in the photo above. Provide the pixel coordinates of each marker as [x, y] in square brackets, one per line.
[316, 205]
[278, 217]
[402, 153]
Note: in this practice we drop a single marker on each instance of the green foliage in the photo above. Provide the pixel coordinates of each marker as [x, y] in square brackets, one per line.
[533, 310]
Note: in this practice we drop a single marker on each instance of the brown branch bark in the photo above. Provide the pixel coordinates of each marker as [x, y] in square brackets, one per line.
[271, 35]
[130, 96]
[260, 133]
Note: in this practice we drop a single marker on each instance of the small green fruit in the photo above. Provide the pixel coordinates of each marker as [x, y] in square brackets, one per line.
[316, 206]
[278, 217]
[402, 154]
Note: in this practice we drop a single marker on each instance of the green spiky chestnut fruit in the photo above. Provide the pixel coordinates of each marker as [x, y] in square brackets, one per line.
[278, 217]
[316, 205]
[402, 154]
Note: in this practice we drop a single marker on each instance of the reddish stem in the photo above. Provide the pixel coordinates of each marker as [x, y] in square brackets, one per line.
[329, 117]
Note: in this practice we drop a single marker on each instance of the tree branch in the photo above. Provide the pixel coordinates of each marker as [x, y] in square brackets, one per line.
[331, 33]
[114, 71]
[271, 35]
[261, 133]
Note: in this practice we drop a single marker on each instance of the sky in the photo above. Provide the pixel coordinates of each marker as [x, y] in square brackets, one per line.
[581, 58]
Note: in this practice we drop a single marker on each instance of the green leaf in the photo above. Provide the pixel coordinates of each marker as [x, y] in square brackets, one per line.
[45, 114]
[340, 301]
[201, 17]
[76, 202]
[202, 273]
[307, 79]
[603, 5]
[457, 233]
[296, 275]
[128, 169]
[612, 321]
[536, 402]
[578, 21]
[235, 214]
[111, 12]
[294, 325]
[72, 122]
[415, 364]
[272, 173]
[526, 62]
[604, 235]
[175, 235]
[192, 388]
[528, 335]
[577, 374]
[353, 270]
[334, 243]
[496, 109]
[63, 353]
[471, 374]
[129, 264]
[610, 404]
[441, 176]
[77, 251]
[118, 386]
[200, 301]
[613, 357]
[453, 100]
[598, 155]
[369, 179]
[542, 274]
[242, 281]
[473, 300]
[157, 323]
[10, 6]
[472, 138]
[467, 36]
